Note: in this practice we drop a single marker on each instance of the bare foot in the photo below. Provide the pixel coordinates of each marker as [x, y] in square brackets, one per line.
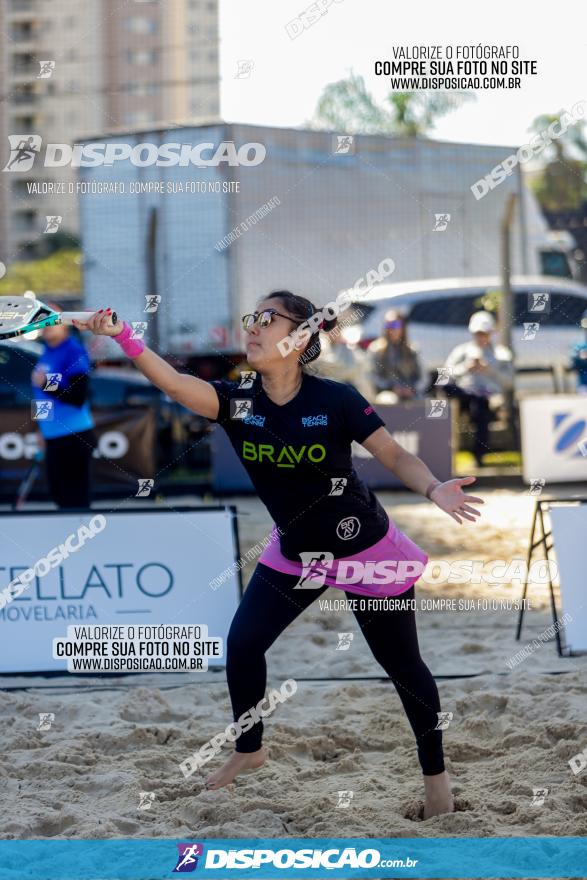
[438, 795]
[239, 762]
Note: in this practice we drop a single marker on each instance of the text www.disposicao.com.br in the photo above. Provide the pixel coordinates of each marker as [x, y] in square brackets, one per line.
[134, 664]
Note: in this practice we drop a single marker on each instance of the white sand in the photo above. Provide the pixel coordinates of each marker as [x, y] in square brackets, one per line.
[512, 731]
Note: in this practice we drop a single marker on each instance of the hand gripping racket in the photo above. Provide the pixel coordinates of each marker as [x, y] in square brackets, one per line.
[22, 314]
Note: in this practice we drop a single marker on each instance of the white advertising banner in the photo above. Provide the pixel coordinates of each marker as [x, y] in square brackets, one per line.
[554, 438]
[569, 528]
[145, 567]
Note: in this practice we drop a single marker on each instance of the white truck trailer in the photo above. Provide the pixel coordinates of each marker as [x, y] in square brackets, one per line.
[317, 213]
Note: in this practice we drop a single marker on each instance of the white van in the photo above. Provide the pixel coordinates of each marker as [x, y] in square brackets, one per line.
[439, 310]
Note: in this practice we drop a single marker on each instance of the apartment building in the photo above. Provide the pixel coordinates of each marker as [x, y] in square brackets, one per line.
[70, 69]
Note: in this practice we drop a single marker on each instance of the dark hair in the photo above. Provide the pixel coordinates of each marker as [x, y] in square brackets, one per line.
[300, 310]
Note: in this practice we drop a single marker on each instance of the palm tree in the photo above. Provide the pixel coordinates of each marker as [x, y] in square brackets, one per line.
[573, 137]
[347, 106]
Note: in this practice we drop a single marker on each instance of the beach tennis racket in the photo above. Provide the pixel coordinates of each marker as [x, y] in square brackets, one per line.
[22, 314]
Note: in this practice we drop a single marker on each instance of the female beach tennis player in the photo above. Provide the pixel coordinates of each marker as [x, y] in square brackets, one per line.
[293, 432]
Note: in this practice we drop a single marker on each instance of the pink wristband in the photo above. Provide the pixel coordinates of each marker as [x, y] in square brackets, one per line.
[131, 347]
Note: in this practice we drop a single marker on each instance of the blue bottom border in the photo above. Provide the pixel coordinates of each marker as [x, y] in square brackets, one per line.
[138, 859]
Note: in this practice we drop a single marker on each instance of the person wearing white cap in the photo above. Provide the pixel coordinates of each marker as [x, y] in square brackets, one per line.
[478, 369]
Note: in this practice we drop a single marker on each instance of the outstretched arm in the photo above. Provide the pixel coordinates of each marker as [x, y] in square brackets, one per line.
[193, 393]
[416, 475]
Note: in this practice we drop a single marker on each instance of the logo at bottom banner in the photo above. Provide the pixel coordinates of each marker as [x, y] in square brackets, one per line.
[283, 857]
[187, 859]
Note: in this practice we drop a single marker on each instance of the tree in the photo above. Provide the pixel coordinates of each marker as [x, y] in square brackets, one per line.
[347, 106]
[561, 183]
[62, 240]
[58, 273]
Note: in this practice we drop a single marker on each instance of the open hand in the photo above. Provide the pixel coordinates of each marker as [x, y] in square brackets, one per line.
[450, 497]
[100, 323]
[38, 377]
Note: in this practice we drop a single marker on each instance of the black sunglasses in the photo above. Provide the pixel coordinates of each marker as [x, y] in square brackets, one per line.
[263, 319]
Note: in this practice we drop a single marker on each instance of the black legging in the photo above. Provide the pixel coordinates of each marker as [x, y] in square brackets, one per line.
[270, 604]
[67, 464]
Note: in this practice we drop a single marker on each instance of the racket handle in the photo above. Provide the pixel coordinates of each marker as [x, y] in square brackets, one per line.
[69, 317]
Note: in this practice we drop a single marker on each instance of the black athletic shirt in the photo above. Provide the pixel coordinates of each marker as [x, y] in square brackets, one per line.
[295, 454]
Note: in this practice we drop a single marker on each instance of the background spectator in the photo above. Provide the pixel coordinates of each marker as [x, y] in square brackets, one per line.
[393, 363]
[343, 362]
[61, 376]
[478, 369]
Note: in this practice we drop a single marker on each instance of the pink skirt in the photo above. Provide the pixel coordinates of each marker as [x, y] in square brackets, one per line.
[387, 568]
